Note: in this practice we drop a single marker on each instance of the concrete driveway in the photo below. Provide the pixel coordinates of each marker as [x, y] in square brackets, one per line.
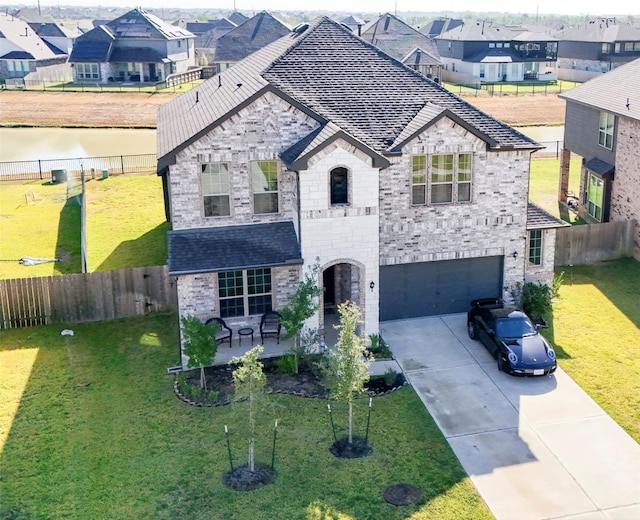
[537, 448]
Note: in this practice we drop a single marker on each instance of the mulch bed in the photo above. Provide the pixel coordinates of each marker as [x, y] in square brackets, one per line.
[243, 479]
[402, 494]
[358, 447]
[306, 383]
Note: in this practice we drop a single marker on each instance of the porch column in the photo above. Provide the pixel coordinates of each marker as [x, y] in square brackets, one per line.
[141, 69]
[563, 188]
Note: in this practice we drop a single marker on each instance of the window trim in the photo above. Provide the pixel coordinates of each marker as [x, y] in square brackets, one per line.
[246, 295]
[606, 126]
[271, 192]
[347, 173]
[591, 205]
[535, 243]
[226, 194]
[427, 184]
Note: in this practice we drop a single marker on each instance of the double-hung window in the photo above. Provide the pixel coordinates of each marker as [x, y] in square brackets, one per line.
[419, 179]
[215, 189]
[244, 292]
[605, 134]
[441, 179]
[264, 180]
[535, 247]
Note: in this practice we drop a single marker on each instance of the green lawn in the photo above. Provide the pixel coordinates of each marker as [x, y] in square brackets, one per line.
[90, 429]
[125, 225]
[596, 334]
[544, 182]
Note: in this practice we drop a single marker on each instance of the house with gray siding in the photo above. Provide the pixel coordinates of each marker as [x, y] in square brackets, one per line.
[136, 47]
[494, 53]
[602, 127]
[322, 148]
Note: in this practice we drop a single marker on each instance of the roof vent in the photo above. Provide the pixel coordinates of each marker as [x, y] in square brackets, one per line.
[299, 29]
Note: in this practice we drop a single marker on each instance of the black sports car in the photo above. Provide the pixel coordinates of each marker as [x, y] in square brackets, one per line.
[511, 336]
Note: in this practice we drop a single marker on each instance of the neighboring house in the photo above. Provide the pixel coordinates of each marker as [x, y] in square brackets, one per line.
[404, 43]
[319, 147]
[598, 45]
[56, 35]
[135, 47]
[26, 56]
[494, 53]
[207, 38]
[248, 37]
[602, 125]
[237, 18]
[439, 26]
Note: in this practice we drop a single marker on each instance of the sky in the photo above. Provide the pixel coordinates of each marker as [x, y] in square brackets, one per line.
[568, 7]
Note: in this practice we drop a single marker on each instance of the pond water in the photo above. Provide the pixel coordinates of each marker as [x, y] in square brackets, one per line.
[28, 144]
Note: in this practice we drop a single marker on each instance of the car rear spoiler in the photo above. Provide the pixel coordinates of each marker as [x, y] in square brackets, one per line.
[492, 303]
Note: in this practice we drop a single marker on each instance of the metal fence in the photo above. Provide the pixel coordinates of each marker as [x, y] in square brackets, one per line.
[61, 169]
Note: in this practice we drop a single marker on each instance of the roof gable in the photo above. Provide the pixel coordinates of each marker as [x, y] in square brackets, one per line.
[326, 70]
[252, 35]
[138, 24]
[397, 38]
[23, 39]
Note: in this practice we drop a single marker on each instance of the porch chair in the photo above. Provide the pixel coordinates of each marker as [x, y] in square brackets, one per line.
[224, 331]
[270, 325]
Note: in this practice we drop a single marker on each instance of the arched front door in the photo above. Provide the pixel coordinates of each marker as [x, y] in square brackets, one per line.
[341, 282]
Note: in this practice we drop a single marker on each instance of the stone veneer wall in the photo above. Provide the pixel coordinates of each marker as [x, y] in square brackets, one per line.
[625, 197]
[346, 234]
[257, 132]
[492, 224]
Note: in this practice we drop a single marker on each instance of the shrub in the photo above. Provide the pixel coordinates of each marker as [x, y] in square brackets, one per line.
[536, 300]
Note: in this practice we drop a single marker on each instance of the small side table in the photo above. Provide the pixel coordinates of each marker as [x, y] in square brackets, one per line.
[245, 331]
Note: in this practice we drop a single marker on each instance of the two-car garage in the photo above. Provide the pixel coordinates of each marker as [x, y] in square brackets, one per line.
[440, 287]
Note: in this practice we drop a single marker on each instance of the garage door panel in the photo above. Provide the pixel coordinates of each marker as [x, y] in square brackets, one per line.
[430, 288]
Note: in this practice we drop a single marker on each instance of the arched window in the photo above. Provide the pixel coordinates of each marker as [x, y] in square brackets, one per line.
[339, 186]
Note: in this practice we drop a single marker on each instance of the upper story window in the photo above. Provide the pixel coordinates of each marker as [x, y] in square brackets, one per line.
[264, 180]
[444, 179]
[215, 189]
[628, 46]
[492, 45]
[244, 293]
[616, 48]
[535, 247]
[605, 133]
[507, 45]
[339, 186]
[636, 46]
[606, 48]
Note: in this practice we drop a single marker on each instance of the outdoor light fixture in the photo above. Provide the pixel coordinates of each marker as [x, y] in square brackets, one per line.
[372, 285]
[515, 254]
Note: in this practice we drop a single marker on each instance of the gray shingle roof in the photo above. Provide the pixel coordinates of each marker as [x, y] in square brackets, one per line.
[617, 91]
[398, 39]
[600, 167]
[248, 37]
[232, 247]
[335, 76]
[138, 24]
[93, 46]
[537, 218]
[605, 30]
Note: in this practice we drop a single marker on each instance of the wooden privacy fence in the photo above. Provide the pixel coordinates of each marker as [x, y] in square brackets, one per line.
[593, 243]
[77, 298]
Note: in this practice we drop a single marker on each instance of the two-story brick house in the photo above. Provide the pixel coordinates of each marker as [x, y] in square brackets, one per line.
[320, 146]
[602, 126]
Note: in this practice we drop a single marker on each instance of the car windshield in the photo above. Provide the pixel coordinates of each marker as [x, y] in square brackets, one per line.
[514, 327]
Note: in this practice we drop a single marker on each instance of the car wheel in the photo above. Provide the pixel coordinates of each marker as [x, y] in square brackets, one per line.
[471, 330]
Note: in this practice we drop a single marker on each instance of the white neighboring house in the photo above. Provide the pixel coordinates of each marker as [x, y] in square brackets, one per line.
[24, 55]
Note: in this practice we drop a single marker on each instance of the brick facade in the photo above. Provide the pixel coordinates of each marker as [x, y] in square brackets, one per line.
[625, 195]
